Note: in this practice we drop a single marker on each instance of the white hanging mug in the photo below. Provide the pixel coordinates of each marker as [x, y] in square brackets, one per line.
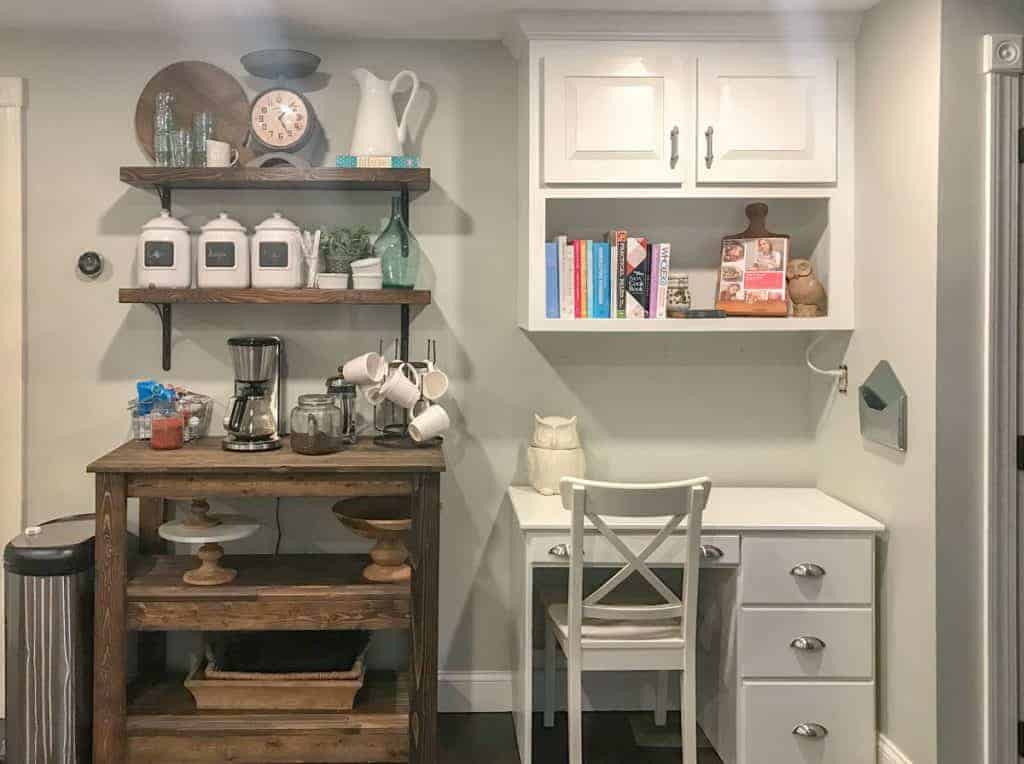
[429, 424]
[220, 154]
[399, 389]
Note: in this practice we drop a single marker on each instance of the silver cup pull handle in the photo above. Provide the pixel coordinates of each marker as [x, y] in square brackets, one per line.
[810, 729]
[560, 550]
[711, 552]
[709, 136]
[673, 137]
[807, 570]
[808, 644]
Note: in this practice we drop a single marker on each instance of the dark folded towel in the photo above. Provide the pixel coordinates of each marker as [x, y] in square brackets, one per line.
[287, 652]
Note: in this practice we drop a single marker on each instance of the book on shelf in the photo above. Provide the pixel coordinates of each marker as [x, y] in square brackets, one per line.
[351, 161]
[638, 277]
[565, 280]
[617, 240]
[661, 259]
[577, 271]
[552, 299]
[588, 278]
[602, 280]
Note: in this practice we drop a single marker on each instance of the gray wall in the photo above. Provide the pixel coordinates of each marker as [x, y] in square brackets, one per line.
[733, 407]
[960, 469]
[896, 228]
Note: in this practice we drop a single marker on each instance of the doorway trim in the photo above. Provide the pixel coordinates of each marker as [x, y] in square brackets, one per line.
[12, 306]
[1003, 65]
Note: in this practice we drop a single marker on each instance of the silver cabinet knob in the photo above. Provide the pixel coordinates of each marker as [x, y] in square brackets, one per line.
[807, 570]
[808, 644]
[711, 552]
[560, 550]
[810, 729]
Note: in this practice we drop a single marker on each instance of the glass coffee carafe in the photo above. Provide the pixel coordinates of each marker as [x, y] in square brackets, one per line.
[252, 417]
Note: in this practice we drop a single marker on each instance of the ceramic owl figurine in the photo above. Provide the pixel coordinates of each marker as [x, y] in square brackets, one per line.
[554, 453]
[806, 292]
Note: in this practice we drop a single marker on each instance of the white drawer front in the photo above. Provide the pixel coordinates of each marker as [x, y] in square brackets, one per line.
[597, 550]
[840, 570]
[843, 713]
[830, 644]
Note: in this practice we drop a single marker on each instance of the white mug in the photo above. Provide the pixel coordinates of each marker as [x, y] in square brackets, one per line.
[220, 154]
[365, 369]
[399, 389]
[435, 383]
[429, 424]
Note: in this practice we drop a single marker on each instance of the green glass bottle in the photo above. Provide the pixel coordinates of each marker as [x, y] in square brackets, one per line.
[398, 250]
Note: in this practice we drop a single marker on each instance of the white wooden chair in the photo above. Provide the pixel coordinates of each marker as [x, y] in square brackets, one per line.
[646, 637]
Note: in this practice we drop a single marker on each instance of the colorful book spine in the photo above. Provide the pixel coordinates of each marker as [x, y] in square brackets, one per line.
[588, 276]
[638, 277]
[552, 299]
[577, 272]
[351, 161]
[660, 266]
[618, 241]
[602, 280]
[565, 280]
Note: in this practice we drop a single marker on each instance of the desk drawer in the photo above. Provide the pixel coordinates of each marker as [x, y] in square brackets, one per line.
[597, 550]
[837, 570]
[836, 643]
[842, 715]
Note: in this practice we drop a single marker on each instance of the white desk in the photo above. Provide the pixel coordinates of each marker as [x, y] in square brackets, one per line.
[753, 686]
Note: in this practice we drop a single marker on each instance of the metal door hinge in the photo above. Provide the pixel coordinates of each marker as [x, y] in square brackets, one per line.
[1020, 145]
[1020, 458]
[1020, 738]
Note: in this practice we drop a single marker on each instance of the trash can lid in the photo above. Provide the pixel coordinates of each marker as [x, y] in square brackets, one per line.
[59, 548]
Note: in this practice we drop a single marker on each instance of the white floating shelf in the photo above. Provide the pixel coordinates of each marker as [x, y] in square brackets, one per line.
[689, 325]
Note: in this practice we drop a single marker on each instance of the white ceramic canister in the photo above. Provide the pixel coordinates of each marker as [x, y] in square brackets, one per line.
[276, 253]
[222, 254]
[164, 253]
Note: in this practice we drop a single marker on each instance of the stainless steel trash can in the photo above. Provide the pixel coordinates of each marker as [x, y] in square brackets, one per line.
[48, 581]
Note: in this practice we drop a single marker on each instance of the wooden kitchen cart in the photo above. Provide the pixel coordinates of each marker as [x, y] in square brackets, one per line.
[395, 717]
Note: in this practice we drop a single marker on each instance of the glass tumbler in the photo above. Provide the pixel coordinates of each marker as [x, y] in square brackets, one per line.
[181, 148]
[163, 126]
[202, 129]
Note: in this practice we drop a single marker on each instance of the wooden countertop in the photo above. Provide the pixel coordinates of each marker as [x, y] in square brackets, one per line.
[207, 456]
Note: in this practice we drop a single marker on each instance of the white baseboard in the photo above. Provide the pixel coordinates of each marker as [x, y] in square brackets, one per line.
[888, 753]
[492, 691]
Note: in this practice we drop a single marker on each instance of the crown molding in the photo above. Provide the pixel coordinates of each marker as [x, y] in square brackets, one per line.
[12, 92]
[671, 27]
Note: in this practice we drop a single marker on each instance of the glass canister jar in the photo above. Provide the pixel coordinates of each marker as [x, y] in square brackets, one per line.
[316, 425]
[168, 427]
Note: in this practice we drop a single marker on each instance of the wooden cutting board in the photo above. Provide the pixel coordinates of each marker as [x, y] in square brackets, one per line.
[197, 86]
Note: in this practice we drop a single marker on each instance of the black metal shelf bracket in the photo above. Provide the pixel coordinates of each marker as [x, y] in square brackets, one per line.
[164, 192]
[164, 311]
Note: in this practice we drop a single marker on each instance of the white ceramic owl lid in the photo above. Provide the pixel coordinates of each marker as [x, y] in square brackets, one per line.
[223, 223]
[164, 222]
[277, 223]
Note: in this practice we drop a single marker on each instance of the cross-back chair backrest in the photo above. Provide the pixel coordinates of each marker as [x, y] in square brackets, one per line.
[675, 502]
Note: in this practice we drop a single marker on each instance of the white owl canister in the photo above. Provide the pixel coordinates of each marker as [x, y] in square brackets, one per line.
[222, 254]
[164, 254]
[554, 453]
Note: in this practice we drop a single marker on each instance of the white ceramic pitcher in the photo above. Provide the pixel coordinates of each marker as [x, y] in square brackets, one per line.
[376, 132]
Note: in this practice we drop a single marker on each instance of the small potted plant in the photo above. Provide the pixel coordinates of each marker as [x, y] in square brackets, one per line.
[340, 247]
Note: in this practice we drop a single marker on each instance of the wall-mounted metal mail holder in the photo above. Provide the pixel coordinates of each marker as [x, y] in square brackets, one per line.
[883, 408]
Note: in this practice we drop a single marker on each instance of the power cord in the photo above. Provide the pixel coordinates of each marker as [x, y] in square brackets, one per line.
[842, 373]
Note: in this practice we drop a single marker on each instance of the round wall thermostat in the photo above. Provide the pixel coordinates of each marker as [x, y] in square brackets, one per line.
[90, 264]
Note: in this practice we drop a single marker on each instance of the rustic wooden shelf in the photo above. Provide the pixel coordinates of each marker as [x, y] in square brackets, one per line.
[278, 178]
[254, 296]
[294, 591]
[164, 725]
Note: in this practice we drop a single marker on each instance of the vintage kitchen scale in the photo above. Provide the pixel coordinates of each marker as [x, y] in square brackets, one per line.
[283, 128]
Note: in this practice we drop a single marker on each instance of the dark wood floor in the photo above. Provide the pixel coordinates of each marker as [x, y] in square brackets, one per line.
[607, 739]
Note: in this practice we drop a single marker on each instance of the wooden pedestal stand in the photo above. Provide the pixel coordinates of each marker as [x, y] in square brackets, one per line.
[200, 527]
[385, 519]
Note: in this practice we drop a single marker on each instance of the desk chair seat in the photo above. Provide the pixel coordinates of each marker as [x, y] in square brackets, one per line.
[596, 635]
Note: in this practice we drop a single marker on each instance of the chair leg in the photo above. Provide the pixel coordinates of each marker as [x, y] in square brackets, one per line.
[661, 700]
[550, 646]
[575, 681]
[688, 715]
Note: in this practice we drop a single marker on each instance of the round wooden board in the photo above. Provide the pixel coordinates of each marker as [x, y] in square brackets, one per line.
[197, 86]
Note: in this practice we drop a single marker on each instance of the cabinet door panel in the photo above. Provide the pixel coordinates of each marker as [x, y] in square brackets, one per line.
[612, 118]
[766, 121]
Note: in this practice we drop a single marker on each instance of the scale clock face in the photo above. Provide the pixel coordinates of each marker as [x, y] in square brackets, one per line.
[281, 119]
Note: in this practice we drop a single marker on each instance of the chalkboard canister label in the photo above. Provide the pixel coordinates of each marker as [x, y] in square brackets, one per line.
[220, 254]
[159, 254]
[273, 254]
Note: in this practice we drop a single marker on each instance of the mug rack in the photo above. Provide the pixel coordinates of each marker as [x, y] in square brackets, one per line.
[395, 433]
[165, 179]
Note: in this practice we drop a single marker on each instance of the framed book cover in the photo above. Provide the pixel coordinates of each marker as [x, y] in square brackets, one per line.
[752, 276]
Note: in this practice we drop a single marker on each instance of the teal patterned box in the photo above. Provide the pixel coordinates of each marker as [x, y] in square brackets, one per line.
[393, 162]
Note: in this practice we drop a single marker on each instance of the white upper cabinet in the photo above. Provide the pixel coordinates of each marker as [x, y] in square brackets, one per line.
[613, 114]
[765, 118]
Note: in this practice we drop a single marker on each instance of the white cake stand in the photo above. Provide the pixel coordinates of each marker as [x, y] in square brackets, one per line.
[200, 527]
